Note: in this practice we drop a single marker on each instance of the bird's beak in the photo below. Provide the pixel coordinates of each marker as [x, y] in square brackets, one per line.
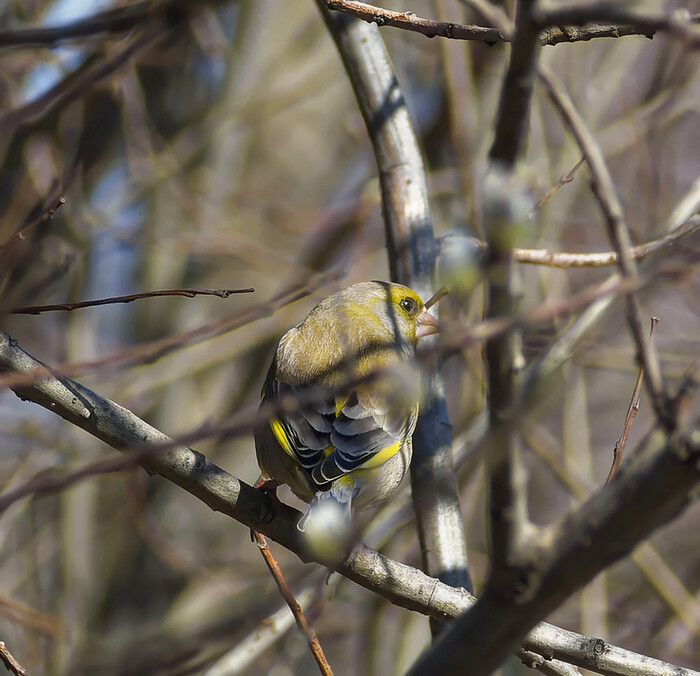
[426, 325]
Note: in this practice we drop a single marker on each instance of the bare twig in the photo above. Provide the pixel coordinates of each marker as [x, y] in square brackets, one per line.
[294, 606]
[566, 178]
[677, 23]
[547, 666]
[492, 14]
[69, 307]
[567, 34]
[21, 614]
[598, 259]
[561, 259]
[436, 297]
[409, 21]
[553, 31]
[162, 346]
[13, 666]
[22, 232]
[631, 414]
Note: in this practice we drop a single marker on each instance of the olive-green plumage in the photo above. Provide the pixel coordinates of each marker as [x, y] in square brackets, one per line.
[345, 440]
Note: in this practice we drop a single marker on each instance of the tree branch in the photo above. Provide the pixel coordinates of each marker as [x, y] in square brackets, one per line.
[130, 298]
[554, 30]
[412, 252]
[598, 259]
[503, 218]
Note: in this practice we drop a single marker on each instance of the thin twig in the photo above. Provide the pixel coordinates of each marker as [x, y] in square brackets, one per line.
[409, 21]
[288, 596]
[30, 618]
[632, 411]
[13, 666]
[687, 207]
[436, 297]
[159, 348]
[591, 259]
[69, 307]
[676, 23]
[22, 232]
[566, 178]
[562, 259]
[546, 666]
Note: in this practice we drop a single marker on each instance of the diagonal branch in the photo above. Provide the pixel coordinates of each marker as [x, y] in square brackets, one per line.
[631, 414]
[291, 601]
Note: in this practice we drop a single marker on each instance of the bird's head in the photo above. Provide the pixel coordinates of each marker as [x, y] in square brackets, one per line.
[386, 312]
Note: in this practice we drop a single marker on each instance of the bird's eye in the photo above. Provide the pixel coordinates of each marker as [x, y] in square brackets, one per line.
[408, 304]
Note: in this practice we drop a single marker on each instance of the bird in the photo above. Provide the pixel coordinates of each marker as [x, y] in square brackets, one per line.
[340, 432]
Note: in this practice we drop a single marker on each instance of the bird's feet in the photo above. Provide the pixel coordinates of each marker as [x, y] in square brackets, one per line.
[269, 487]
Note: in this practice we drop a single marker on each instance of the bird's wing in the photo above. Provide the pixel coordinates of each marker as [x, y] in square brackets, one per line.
[305, 433]
[366, 433]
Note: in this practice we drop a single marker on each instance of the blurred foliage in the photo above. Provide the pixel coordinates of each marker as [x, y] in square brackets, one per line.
[228, 152]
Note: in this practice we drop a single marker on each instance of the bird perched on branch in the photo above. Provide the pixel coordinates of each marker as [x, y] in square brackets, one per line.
[344, 401]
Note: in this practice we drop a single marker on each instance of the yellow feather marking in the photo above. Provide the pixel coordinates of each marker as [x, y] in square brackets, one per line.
[339, 403]
[281, 436]
[382, 456]
[346, 480]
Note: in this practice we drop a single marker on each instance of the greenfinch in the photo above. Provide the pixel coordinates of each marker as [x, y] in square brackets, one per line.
[345, 442]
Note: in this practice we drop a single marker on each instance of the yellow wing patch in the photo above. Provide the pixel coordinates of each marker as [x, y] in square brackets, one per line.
[281, 436]
[381, 457]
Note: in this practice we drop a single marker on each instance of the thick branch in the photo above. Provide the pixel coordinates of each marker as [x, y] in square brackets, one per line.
[502, 218]
[412, 251]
